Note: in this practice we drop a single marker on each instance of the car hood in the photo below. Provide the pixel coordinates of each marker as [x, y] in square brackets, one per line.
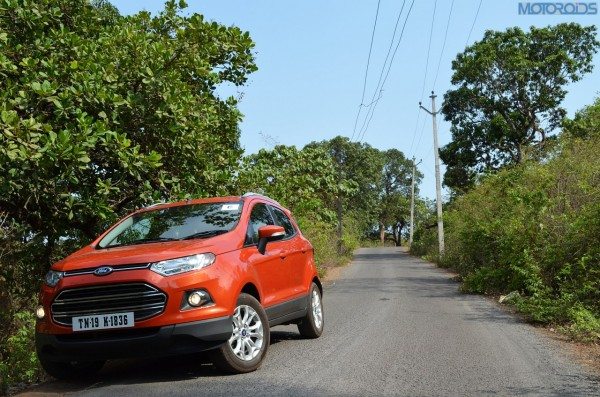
[89, 257]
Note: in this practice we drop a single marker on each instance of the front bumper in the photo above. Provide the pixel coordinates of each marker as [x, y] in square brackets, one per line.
[168, 340]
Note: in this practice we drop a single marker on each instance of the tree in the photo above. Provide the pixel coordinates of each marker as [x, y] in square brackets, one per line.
[394, 200]
[586, 123]
[101, 113]
[509, 87]
[357, 172]
[302, 180]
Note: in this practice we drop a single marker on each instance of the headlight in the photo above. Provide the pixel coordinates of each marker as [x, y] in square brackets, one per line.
[53, 277]
[182, 265]
[40, 313]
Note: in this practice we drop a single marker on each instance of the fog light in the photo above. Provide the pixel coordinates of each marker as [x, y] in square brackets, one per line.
[197, 298]
[40, 313]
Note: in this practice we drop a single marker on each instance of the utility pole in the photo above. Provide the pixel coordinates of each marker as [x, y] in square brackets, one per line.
[412, 201]
[438, 183]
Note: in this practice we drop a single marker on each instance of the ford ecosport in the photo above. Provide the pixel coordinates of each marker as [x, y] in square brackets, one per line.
[198, 275]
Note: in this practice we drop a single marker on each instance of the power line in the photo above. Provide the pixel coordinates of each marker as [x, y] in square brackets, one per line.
[378, 89]
[391, 62]
[443, 45]
[420, 136]
[473, 24]
[424, 78]
[366, 70]
[428, 50]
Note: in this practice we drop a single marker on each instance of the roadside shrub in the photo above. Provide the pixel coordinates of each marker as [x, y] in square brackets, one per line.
[425, 243]
[323, 237]
[583, 324]
[19, 362]
[534, 229]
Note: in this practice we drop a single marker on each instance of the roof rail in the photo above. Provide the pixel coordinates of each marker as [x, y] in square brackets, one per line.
[253, 194]
[156, 204]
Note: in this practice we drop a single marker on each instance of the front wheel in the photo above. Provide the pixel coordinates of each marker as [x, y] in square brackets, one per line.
[311, 326]
[71, 370]
[247, 346]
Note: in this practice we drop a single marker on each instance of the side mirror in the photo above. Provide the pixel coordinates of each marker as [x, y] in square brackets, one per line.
[269, 233]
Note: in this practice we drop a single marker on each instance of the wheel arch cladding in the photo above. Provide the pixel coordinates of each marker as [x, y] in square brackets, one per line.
[318, 282]
[251, 289]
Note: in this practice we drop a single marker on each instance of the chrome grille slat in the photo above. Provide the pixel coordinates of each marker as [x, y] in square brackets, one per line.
[104, 311]
[145, 301]
[110, 298]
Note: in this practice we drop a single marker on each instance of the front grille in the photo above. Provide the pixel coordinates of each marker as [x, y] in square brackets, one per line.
[143, 300]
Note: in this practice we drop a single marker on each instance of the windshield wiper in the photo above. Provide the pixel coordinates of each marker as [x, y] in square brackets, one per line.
[204, 234]
[144, 241]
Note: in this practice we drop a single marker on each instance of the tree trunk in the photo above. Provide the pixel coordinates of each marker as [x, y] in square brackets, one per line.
[382, 233]
[401, 225]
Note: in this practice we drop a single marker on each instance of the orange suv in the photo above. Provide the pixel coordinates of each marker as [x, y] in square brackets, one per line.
[198, 275]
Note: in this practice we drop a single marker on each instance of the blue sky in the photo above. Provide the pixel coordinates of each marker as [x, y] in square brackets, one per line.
[312, 56]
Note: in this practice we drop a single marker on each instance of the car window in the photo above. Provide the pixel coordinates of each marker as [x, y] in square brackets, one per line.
[282, 220]
[259, 217]
[175, 223]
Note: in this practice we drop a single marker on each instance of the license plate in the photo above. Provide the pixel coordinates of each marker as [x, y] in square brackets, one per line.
[103, 321]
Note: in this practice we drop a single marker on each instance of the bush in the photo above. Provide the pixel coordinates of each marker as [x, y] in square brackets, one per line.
[19, 362]
[535, 229]
[425, 243]
[323, 237]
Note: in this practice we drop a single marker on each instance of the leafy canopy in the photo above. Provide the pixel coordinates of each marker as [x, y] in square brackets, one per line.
[100, 113]
[357, 175]
[302, 180]
[394, 199]
[509, 88]
[586, 123]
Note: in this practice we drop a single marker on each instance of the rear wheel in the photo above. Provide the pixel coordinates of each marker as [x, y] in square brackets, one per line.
[311, 326]
[247, 346]
[71, 370]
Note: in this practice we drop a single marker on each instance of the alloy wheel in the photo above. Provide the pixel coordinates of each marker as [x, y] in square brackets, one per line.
[246, 341]
[317, 309]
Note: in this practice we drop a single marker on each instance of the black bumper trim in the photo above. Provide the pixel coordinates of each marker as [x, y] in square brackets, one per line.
[164, 341]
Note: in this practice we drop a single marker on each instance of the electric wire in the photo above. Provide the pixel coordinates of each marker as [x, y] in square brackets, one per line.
[390, 63]
[443, 45]
[362, 99]
[424, 81]
[378, 90]
[473, 24]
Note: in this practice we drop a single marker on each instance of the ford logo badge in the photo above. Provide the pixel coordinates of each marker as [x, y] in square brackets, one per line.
[103, 271]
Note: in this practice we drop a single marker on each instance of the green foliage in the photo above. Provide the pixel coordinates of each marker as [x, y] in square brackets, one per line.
[101, 113]
[302, 180]
[332, 182]
[18, 361]
[394, 197]
[509, 88]
[535, 229]
[322, 236]
[586, 122]
[306, 182]
[357, 171]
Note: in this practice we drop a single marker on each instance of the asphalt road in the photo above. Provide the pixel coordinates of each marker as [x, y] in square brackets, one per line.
[395, 325]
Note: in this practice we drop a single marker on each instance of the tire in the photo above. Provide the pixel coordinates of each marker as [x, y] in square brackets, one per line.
[311, 326]
[236, 355]
[73, 370]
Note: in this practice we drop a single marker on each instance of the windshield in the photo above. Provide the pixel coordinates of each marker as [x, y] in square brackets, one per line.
[182, 222]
